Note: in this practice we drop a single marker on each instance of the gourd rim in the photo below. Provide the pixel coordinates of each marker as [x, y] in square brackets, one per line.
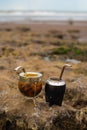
[30, 75]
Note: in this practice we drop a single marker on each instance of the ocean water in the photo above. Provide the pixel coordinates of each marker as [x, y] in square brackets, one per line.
[41, 16]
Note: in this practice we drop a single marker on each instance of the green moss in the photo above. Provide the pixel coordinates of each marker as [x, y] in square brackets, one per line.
[71, 52]
[61, 50]
[77, 51]
[66, 50]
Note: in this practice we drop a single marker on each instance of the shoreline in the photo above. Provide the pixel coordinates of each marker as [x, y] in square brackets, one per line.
[71, 22]
[44, 26]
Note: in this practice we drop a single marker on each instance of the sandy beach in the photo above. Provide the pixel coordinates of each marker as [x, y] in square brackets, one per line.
[43, 47]
[35, 45]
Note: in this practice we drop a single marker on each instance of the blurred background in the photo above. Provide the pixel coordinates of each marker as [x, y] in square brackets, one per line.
[13, 10]
[53, 30]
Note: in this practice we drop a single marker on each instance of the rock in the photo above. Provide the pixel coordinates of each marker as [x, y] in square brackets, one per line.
[55, 118]
[76, 93]
[73, 61]
[19, 113]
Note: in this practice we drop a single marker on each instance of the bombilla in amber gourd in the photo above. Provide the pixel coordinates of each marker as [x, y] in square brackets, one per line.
[30, 83]
[19, 68]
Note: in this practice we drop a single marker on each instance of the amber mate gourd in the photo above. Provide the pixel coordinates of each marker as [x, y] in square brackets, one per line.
[29, 83]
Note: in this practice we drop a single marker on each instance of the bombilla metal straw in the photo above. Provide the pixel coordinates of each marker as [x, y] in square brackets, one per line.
[66, 65]
[19, 68]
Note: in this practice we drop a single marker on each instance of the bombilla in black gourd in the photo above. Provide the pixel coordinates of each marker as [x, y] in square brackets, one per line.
[66, 65]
